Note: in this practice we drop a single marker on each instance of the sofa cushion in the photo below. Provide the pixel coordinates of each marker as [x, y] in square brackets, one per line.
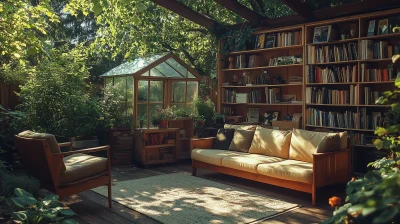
[80, 166]
[240, 127]
[329, 143]
[224, 138]
[288, 170]
[304, 143]
[213, 156]
[51, 141]
[241, 141]
[343, 140]
[271, 142]
[248, 162]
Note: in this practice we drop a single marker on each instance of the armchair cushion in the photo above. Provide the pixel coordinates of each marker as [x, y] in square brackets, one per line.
[304, 143]
[51, 141]
[241, 141]
[271, 142]
[80, 166]
[224, 138]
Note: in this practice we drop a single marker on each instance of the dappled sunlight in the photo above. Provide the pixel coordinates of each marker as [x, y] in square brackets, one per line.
[181, 198]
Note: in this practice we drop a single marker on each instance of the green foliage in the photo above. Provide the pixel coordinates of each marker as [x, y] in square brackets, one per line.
[238, 39]
[10, 181]
[204, 108]
[375, 197]
[112, 109]
[180, 112]
[161, 114]
[56, 98]
[33, 211]
[10, 122]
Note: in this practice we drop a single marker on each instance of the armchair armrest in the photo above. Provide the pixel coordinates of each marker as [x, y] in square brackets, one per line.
[331, 167]
[65, 144]
[202, 143]
[89, 150]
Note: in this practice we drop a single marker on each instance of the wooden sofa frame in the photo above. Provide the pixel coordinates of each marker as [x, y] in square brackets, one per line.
[46, 166]
[328, 168]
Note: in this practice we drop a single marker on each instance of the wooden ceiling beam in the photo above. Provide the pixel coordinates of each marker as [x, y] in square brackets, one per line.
[241, 10]
[188, 13]
[300, 8]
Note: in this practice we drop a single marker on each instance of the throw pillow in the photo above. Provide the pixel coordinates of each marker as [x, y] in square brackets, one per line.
[240, 127]
[224, 138]
[304, 143]
[343, 140]
[329, 143]
[271, 142]
[241, 141]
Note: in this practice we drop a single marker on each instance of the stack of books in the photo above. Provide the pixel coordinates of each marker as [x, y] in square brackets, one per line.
[326, 95]
[332, 74]
[375, 74]
[273, 95]
[335, 53]
[375, 50]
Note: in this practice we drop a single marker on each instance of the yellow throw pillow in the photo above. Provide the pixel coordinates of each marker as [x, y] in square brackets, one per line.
[271, 142]
[343, 140]
[240, 127]
[329, 143]
[304, 143]
[241, 140]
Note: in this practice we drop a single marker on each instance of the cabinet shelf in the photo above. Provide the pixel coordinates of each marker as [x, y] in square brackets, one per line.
[159, 146]
[335, 42]
[266, 50]
[385, 36]
[262, 67]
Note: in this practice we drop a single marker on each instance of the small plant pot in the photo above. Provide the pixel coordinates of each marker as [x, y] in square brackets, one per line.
[163, 124]
[343, 36]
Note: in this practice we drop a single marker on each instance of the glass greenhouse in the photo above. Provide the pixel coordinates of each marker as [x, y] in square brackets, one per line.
[158, 80]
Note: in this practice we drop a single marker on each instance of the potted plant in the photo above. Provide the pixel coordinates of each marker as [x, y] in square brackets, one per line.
[161, 116]
[204, 109]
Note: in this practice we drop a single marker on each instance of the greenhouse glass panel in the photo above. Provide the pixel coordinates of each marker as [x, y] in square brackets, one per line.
[129, 95]
[191, 76]
[142, 91]
[109, 82]
[178, 92]
[142, 114]
[177, 66]
[156, 91]
[145, 74]
[168, 71]
[155, 73]
[192, 90]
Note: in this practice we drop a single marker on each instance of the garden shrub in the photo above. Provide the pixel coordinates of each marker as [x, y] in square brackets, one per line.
[10, 181]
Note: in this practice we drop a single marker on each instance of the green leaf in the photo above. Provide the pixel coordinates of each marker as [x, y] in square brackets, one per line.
[397, 82]
[23, 201]
[67, 212]
[50, 213]
[20, 216]
[386, 216]
[97, 9]
[379, 144]
[51, 197]
[355, 208]
[69, 221]
[367, 211]
[22, 193]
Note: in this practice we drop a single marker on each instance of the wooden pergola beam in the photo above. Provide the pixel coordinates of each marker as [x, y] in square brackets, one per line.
[188, 13]
[241, 10]
[300, 7]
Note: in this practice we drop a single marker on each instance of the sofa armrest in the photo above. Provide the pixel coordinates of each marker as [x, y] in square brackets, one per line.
[202, 143]
[331, 167]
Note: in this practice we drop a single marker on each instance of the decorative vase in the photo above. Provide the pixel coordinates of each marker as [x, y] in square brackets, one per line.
[231, 66]
[163, 124]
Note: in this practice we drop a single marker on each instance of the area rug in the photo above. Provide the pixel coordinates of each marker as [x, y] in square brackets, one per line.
[182, 198]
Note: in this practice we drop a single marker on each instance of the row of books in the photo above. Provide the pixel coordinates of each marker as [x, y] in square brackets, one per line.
[256, 97]
[332, 74]
[375, 50]
[370, 96]
[361, 139]
[326, 95]
[348, 119]
[230, 96]
[332, 53]
[278, 39]
[374, 74]
[272, 95]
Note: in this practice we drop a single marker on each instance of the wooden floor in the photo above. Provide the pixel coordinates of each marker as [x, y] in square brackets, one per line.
[93, 208]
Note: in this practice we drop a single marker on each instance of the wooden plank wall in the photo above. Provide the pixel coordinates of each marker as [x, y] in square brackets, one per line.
[8, 96]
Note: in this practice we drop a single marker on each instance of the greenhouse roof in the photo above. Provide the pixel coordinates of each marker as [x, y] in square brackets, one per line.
[165, 65]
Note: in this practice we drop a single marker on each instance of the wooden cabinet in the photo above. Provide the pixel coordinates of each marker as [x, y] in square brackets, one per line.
[156, 146]
[185, 126]
[121, 146]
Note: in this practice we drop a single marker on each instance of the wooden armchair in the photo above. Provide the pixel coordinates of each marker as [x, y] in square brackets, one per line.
[65, 173]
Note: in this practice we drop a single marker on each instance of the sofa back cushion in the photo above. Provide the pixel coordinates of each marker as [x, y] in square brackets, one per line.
[304, 143]
[224, 138]
[329, 143]
[271, 142]
[241, 141]
[240, 127]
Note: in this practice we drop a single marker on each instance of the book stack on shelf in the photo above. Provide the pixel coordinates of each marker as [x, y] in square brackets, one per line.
[281, 39]
[332, 74]
[324, 95]
[337, 53]
[230, 96]
[370, 96]
[375, 50]
[273, 95]
[375, 74]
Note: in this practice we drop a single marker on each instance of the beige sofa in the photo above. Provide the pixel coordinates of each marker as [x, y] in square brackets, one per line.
[298, 159]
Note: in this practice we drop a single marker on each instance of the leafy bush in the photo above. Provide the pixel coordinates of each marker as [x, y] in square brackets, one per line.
[111, 108]
[11, 181]
[32, 211]
[161, 114]
[180, 112]
[205, 108]
[56, 97]
[10, 122]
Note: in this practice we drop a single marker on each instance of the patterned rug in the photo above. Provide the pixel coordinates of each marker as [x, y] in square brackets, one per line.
[181, 198]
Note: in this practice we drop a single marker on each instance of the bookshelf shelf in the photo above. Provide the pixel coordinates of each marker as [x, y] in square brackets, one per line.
[260, 86]
[335, 42]
[337, 128]
[333, 83]
[386, 36]
[380, 82]
[265, 104]
[263, 67]
[376, 60]
[330, 105]
[267, 50]
[336, 62]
